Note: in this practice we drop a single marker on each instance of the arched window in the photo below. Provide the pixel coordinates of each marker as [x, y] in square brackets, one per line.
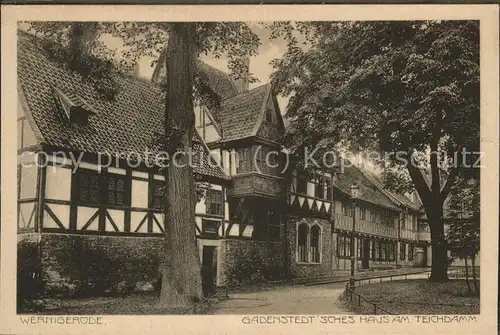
[315, 235]
[302, 242]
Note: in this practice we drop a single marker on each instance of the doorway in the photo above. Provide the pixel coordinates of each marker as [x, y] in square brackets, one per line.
[365, 263]
[209, 270]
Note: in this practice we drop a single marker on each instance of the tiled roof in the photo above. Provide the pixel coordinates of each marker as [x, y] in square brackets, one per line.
[130, 123]
[239, 116]
[397, 198]
[367, 190]
[219, 81]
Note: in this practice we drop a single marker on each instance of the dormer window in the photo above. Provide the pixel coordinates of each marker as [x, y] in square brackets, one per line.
[76, 109]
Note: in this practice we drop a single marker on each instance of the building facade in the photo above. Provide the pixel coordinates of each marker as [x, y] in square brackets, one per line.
[96, 220]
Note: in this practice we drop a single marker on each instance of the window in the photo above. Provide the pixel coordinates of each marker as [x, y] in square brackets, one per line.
[329, 194]
[116, 189]
[414, 223]
[378, 217]
[315, 235]
[269, 115]
[210, 227]
[391, 251]
[376, 250]
[383, 251]
[373, 215]
[158, 194]
[301, 185]
[214, 202]
[386, 217]
[410, 252]
[344, 246]
[362, 212]
[347, 209]
[402, 251]
[319, 189]
[302, 242]
[243, 161]
[273, 225]
[88, 186]
[359, 248]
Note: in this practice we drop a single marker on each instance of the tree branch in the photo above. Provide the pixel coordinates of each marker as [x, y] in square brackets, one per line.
[418, 179]
[450, 181]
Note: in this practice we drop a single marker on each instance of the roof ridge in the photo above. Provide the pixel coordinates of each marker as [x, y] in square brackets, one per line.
[246, 92]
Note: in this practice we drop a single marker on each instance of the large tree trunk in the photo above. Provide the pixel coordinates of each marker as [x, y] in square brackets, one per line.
[467, 275]
[439, 269]
[433, 199]
[181, 271]
[476, 285]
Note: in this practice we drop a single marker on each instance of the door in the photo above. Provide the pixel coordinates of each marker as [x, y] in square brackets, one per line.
[209, 270]
[365, 264]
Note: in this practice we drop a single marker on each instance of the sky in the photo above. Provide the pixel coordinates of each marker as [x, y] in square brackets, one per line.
[259, 64]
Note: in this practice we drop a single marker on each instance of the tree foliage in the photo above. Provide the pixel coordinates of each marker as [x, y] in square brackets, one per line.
[408, 90]
[79, 46]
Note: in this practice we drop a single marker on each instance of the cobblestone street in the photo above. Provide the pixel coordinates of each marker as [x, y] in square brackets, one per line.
[321, 299]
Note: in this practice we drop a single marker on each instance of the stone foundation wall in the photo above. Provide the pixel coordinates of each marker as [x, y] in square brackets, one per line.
[323, 268]
[73, 265]
[247, 261]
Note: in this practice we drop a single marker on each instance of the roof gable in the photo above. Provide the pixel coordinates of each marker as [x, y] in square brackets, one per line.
[241, 115]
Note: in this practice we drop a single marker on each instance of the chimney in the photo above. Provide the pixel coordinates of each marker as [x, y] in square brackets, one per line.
[242, 83]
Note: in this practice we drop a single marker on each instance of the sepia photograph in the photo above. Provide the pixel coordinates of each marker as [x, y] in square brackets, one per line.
[286, 171]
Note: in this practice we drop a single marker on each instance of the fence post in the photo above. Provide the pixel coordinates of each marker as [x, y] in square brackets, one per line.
[374, 308]
[359, 300]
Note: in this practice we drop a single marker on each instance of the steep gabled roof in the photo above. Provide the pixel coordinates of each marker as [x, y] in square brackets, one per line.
[397, 198]
[129, 123]
[239, 116]
[368, 192]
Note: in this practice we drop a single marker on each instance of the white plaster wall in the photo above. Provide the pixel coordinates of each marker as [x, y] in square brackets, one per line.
[25, 214]
[211, 134]
[135, 219]
[310, 189]
[28, 181]
[83, 214]
[215, 153]
[118, 217]
[225, 161]
[61, 212]
[139, 196]
[58, 183]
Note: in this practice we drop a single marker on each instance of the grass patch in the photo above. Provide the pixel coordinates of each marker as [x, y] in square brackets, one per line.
[133, 304]
[418, 296]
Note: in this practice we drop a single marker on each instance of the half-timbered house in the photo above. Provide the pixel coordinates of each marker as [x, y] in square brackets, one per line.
[97, 219]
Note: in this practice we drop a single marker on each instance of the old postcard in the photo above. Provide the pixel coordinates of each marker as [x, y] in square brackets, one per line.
[240, 169]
